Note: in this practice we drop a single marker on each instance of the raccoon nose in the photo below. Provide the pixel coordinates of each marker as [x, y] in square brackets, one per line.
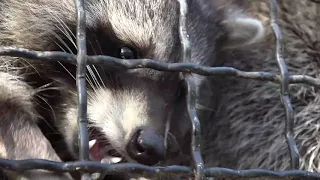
[146, 147]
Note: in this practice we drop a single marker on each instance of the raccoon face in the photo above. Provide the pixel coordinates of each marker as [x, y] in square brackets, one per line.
[129, 111]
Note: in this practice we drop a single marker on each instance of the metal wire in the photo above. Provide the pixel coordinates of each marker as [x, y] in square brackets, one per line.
[81, 85]
[191, 101]
[157, 65]
[198, 171]
[285, 99]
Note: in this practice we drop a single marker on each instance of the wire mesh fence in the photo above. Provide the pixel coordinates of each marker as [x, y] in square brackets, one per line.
[85, 166]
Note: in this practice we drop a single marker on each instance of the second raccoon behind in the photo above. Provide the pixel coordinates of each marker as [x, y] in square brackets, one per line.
[248, 126]
[134, 115]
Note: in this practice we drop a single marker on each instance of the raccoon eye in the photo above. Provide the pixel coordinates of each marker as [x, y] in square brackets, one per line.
[126, 53]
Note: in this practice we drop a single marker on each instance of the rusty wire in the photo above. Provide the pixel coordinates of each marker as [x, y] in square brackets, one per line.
[198, 171]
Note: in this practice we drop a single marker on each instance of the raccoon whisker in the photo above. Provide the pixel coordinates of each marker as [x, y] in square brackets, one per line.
[30, 66]
[66, 30]
[98, 44]
[8, 65]
[44, 120]
[94, 67]
[87, 77]
[67, 35]
[103, 69]
[89, 66]
[91, 73]
[61, 63]
[90, 82]
[51, 108]
[45, 88]
[94, 78]
[62, 41]
[100, 52]
[92, 47]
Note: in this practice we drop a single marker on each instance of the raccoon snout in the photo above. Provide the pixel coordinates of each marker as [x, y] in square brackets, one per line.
[146, 147]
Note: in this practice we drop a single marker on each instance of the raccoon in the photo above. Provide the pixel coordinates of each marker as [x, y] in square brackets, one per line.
[134, 115]
[248, 126]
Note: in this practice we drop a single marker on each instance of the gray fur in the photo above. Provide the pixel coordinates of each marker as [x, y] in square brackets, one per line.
[36, 93]
[249, 124]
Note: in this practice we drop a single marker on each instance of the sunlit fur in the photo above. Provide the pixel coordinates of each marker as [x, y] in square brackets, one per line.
[249, 124]
[39, 95]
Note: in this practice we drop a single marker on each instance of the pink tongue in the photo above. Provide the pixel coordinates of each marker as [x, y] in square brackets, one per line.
[96, 152]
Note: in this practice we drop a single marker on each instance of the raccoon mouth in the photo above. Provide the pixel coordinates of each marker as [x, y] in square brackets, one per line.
[101, 150]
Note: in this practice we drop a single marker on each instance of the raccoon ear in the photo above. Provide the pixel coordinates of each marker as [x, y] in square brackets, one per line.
[242, 31]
